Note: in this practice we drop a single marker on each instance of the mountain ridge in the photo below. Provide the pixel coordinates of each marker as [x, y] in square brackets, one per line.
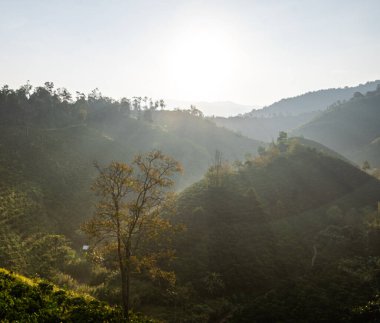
[290, 113]
[350, 128]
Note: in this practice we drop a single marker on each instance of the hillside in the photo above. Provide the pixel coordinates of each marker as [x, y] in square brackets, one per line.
[263, 128]
[48, 146]
[252, 231]
[290, 113]
[205, 133]
[317, 146]
[27, 300]
[351, 128]
[58, 163]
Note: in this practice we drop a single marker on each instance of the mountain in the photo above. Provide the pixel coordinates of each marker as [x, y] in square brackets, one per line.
[220, 108]
[290, 113]
[351, 128]
[263, 128]
[276, 227]
[206, 134]
[313, 101]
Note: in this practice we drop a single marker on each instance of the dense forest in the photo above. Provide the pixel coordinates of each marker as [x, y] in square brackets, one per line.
[350, 128]
[123, 210]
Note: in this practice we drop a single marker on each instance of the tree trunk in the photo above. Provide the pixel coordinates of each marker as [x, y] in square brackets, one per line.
[128, 275]
[124, 271]
[124, 281]
[125, 292]
[127, 279]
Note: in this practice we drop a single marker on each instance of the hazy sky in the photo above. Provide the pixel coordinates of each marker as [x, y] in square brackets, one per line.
[249, 52]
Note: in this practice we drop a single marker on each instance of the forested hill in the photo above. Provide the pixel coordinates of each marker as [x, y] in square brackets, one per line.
[205, 134]
[290, 113]
[266, 229]
[48, 144]
[351, 128]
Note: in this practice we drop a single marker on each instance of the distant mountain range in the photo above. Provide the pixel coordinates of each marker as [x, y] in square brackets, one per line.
[312, 101]
[219, 108]
[290, 113]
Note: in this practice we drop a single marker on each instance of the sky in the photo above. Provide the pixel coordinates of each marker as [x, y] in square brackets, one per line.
[249, 52]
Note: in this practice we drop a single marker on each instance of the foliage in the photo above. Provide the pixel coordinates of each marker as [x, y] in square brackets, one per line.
[39, 301]
[47, 254]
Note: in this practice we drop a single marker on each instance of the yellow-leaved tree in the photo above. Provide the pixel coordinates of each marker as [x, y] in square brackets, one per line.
[128, 216]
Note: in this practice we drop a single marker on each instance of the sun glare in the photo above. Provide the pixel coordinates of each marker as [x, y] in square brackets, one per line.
[200, 62]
